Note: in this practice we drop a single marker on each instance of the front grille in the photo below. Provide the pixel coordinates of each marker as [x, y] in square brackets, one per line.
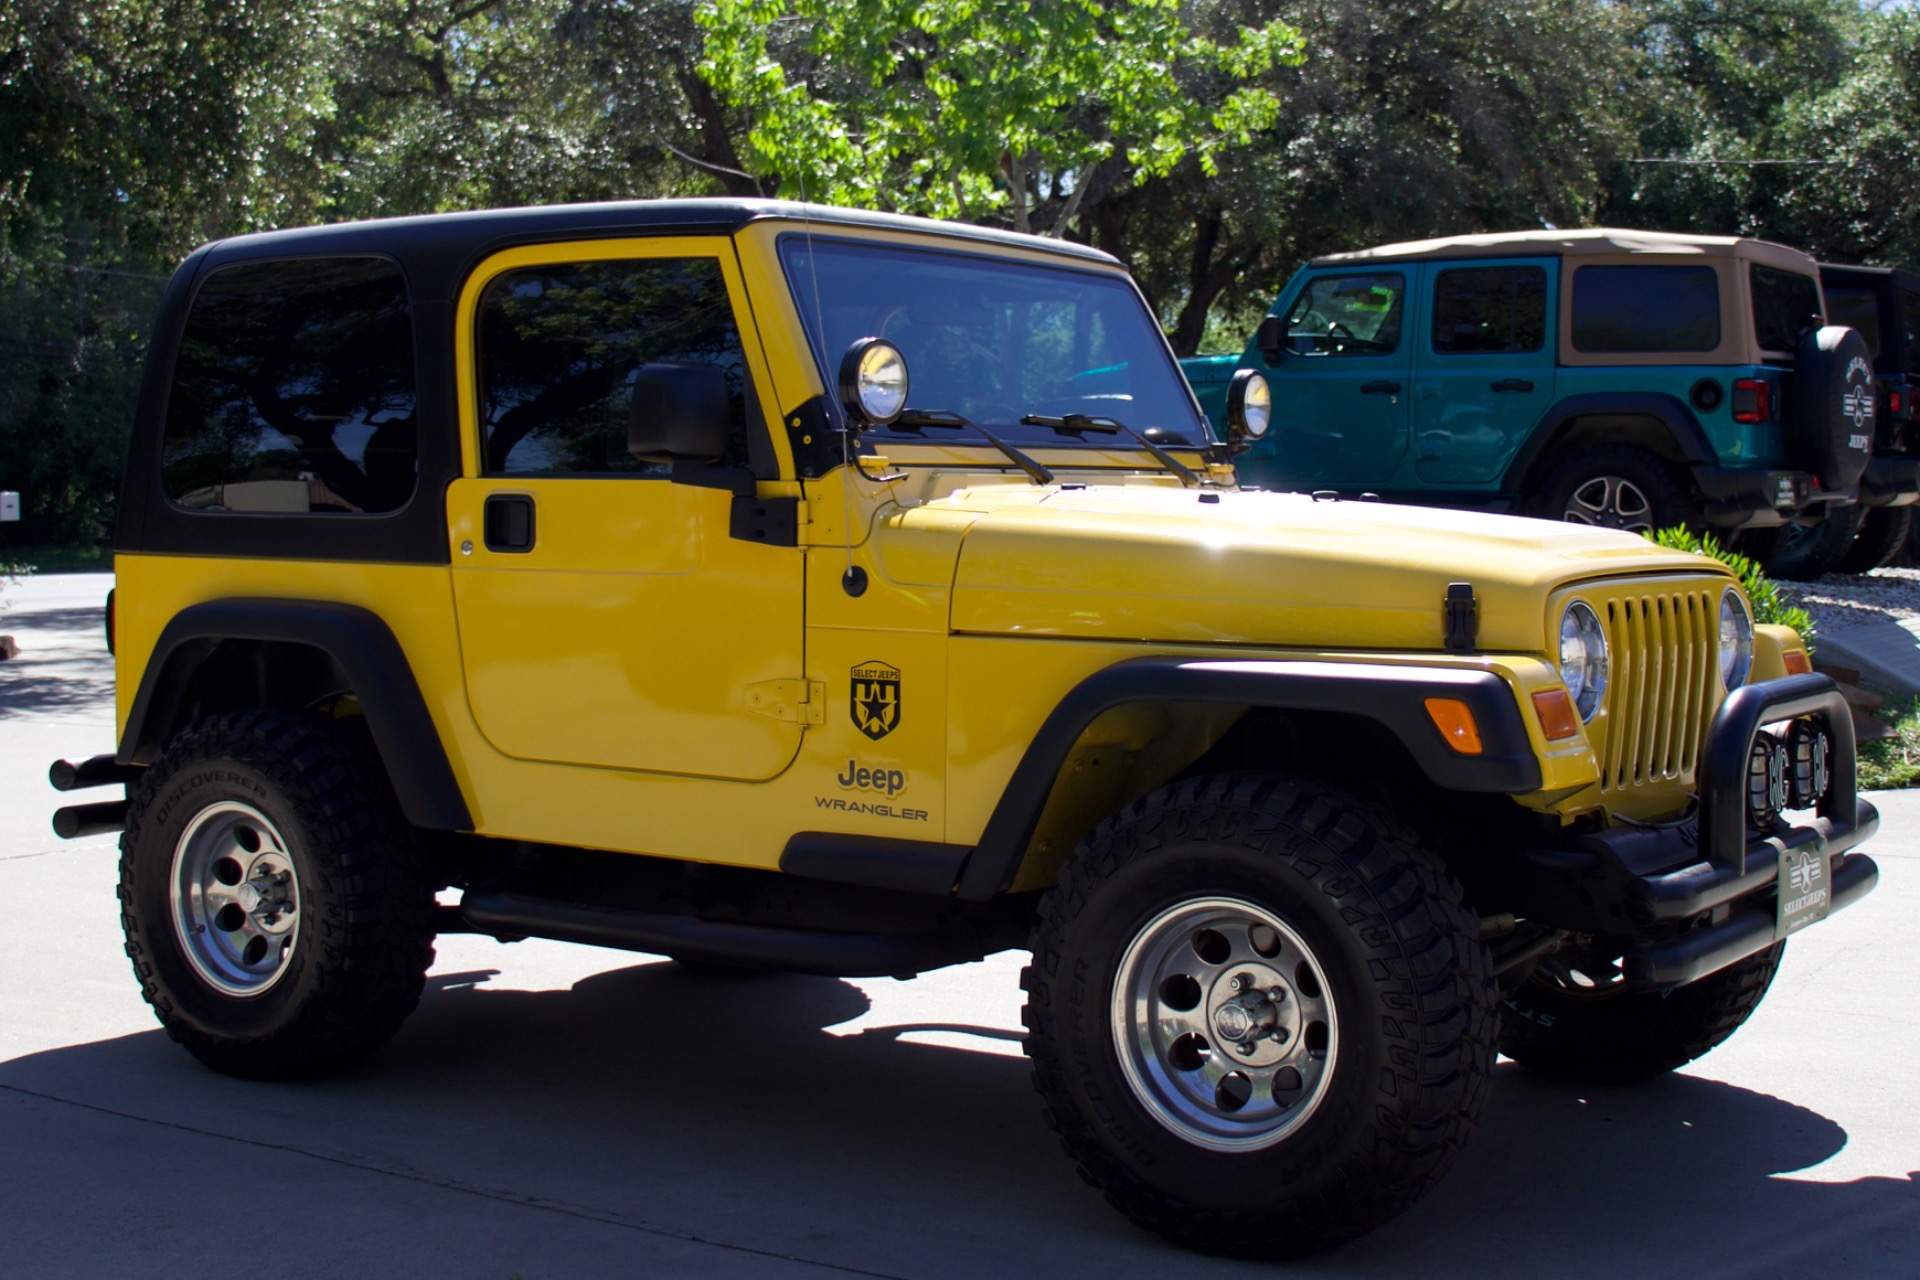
[1663, 686]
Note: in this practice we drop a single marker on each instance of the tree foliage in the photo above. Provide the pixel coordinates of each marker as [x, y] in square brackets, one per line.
[968, 108]
[1211, 144]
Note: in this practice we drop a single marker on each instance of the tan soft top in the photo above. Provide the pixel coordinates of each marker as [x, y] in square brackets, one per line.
[1581, 243]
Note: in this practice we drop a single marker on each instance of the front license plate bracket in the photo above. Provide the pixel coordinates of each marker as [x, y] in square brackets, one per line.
[1805, 888]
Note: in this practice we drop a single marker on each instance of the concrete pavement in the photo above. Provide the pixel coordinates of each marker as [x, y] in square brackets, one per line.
[556, 1111]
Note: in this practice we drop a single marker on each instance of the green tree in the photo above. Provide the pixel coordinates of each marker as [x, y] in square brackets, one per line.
[984, 109]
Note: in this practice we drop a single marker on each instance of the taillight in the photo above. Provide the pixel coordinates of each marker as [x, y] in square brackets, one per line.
[1896, 403]
[1752, 400]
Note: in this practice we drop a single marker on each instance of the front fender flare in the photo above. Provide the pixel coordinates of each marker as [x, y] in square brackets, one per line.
[1392, 695]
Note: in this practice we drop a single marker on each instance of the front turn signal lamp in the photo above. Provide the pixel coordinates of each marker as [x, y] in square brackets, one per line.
[1558, 719]
[1454, 719]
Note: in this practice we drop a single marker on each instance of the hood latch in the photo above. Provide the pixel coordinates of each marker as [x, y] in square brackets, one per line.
[1460, 617]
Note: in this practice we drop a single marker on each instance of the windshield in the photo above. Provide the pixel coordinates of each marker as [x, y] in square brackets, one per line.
[995, 341]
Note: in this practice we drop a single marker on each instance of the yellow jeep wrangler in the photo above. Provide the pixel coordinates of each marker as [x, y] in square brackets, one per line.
[783, 587]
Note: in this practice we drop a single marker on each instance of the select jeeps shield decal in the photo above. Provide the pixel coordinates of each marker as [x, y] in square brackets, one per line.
[876, 698]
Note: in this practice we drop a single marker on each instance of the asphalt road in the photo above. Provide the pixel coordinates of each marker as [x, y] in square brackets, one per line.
[557, 1111]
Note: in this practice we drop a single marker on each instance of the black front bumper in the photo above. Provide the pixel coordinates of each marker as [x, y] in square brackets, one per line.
[1696, 896]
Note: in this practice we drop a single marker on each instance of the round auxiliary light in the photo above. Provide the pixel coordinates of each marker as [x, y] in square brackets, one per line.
[1809, 772]
[1249, 405]
[873, 381]
[1583, 657]
[1736, 639]
[1767, 768]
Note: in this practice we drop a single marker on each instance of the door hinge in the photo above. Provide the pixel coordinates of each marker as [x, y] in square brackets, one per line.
[798, 701]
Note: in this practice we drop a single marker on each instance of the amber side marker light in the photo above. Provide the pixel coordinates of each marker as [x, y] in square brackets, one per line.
[1454, 719]
[1796, 662]
[1558, 719]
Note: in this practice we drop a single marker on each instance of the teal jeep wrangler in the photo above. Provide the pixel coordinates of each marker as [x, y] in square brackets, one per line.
[1625, 379]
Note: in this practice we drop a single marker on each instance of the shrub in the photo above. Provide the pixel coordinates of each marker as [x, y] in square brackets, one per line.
[1761, 590]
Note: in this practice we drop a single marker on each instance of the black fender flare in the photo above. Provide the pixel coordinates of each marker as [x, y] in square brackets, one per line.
[356, 639]
[1394, 696]
[1670, 412]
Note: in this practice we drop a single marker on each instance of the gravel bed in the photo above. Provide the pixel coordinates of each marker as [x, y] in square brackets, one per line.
[1839, 601]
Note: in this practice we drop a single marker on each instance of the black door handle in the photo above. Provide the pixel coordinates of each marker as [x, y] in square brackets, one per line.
[1512, 384]
[509, 522]
[1380, 388]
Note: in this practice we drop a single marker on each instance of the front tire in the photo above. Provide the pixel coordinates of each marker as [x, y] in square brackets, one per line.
[276, 912]
[1574, 1019]
[1258, 1015]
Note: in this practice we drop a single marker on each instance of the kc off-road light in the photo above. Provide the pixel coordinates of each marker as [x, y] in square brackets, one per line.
[873, 381]
[1808, 751]
[1766, 781]
[1736, 639]
[1583, 657]
[1249, 406]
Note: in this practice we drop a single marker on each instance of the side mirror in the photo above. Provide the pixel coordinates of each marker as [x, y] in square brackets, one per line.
[1270, 339]
[679, 411]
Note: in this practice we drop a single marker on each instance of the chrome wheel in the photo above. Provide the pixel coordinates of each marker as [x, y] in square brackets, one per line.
[235, 899]
[1610, 502]
[1224, 1024]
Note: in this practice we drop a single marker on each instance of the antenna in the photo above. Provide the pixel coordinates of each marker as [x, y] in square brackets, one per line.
[854, 580]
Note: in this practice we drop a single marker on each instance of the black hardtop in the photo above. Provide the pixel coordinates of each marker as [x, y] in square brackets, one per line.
[1893, 357]
[437, 250]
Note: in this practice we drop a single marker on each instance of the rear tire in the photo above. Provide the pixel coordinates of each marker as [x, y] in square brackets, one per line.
[1805, 553]
[1613, 486]
[1883, 532]
[275, 908]
[1258, 1015]
[1574, 1019]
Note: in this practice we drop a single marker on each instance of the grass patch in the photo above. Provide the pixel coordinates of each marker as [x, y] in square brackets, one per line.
[1889, 764]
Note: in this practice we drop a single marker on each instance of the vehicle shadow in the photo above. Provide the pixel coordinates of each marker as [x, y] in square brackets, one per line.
[721, 1107]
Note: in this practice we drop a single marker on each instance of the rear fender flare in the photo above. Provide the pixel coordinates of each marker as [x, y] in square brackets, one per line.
[1671, 417]
[361, 646]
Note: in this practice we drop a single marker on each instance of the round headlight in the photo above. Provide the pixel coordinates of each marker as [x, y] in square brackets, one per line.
[1583, 657]
[1736, 639]
[873, 381]
[1249, 405]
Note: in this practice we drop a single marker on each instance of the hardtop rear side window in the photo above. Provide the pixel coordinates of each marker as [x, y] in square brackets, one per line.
[560, 346]
[294, 390]
[1490, 310]
[1645, 310]
[1785, 304]
[1855, 306]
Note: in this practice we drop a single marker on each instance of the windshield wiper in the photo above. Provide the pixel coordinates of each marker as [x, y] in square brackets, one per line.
[1079, 422]
[915, 418]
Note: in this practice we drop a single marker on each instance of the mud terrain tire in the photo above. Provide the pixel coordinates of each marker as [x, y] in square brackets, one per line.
[244, 806]
[1604, 1036]
[1407, 991]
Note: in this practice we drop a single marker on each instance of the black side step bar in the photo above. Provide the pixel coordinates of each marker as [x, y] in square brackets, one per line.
[507, 914]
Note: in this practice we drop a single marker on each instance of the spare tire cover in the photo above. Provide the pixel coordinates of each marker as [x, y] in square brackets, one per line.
[1833, 406]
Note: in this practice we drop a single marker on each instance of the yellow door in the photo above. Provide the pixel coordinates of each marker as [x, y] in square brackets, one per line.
[607, 617]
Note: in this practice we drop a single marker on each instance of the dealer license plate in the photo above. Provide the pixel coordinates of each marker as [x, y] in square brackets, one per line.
[1806, 889]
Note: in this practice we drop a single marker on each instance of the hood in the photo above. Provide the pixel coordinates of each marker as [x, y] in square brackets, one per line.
[1200, 567]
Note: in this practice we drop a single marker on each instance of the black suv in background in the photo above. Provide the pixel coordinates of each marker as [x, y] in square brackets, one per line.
[1883, 305]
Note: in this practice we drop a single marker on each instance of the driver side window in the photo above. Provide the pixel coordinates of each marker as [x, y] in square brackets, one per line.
[1356, 315]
